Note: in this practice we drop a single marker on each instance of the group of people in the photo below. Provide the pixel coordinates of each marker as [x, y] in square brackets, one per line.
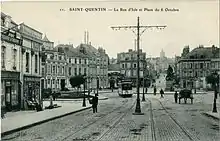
[161, 92]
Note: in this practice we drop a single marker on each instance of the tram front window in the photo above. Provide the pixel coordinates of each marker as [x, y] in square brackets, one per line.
[126, 87]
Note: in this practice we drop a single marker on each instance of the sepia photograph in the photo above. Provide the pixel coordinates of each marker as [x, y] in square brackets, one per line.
[108, 70]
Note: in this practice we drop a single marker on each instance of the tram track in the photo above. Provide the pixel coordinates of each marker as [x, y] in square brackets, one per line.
[115, 123]
[105, 116]
[185, 131]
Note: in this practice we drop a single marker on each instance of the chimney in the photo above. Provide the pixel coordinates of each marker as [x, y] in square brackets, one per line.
[87, 37]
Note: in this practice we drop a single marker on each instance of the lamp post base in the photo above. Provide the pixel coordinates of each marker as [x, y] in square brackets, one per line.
[138, 108]
[84, 103]
[214, 110]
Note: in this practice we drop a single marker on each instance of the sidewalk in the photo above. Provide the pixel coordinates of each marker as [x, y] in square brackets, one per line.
[77, 99]
[15, 121]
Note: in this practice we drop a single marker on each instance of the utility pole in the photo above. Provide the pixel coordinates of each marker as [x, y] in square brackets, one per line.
[138, 34]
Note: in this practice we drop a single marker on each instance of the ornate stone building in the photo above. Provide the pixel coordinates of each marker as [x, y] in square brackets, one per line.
[194, 66]
[31, 63]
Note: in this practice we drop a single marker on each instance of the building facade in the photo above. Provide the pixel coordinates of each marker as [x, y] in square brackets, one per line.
[31, 54]
[128, 64]
[11, 43]
[194, 66]
[53, 66]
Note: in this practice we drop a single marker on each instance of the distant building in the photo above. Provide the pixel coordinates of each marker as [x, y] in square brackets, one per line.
[194, 66]
[53, 66]
[128, 64]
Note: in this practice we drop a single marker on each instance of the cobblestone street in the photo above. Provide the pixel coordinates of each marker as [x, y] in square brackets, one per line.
[163, 120]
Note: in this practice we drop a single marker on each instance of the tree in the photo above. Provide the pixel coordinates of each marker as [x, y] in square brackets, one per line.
[76, 81]
[213, 79]
[170, 74]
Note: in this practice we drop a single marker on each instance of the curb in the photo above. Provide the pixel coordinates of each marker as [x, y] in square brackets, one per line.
[40, 122]
[208, 115]
[105, 98]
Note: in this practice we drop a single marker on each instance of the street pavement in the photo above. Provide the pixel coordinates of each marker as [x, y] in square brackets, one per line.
[163, 120]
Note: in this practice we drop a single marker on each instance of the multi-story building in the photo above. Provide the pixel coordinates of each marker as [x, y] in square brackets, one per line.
[11, 43]
[53, 66]
[194, 66]
[128, 64]
[97, 65]
[31, 54]
[21, 61]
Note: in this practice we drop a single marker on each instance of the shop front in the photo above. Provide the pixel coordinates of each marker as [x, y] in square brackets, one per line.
[11, 91]
[32, 90]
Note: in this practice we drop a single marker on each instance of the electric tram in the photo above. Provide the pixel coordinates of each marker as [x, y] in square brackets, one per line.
[125, 88]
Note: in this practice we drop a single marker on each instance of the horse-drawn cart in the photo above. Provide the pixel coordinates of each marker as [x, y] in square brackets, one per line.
[185, 94]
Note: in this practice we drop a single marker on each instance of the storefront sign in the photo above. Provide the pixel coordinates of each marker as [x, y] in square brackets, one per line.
[32, 78]
[11, 39]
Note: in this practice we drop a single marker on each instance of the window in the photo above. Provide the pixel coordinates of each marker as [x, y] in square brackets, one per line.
[123, 65]
[69, 70]
[36, 60]
[75, 71]
[79, 61]
[135, 66]
[60, 58]
[75, 60]
[27, 62]
[85, 61]
[14, 58]
[84, 71]
[79, 71]
[201, 65]
[63, 70]
[69, 60]
[48, 81]
[58, 69]
[53, 81]
[42, 71]
[54, 69]
[48, 69]
[3, 57]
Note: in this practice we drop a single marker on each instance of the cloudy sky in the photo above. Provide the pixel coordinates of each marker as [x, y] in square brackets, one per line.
[195, 23]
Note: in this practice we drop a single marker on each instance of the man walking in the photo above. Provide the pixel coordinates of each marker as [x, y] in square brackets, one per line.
[161, 93]
[155, 90]
[95, 103]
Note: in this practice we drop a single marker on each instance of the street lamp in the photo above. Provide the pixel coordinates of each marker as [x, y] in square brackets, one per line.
[97, 83]
[216, 78]
[143, 97]
[84, 97]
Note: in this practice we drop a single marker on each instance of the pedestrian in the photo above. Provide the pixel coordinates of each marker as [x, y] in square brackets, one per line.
[146, 90]
[54, 96]
[95, 103]
[161, 93]
[176, 96]
[51, 101]
[155, 90]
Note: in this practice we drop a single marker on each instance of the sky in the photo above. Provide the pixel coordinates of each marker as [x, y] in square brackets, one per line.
[192, 23]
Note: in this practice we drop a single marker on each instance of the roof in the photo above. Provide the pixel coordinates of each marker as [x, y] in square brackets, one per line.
[89, 50]
[203, 52]
[46, 39]
[70, 51]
